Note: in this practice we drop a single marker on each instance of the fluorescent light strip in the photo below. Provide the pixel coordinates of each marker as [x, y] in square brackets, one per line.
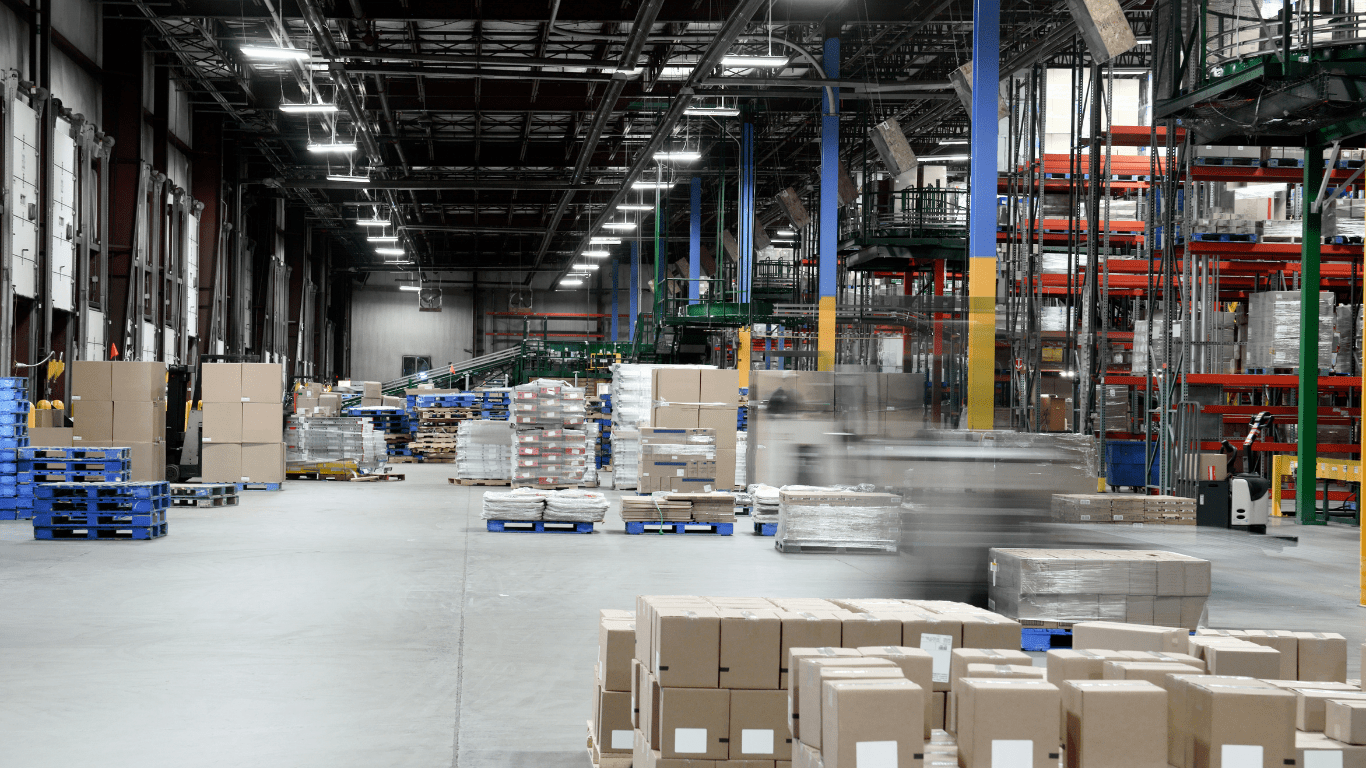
[571, 282]
[621, 225]
[679, 156]
[712, 111]
[273, 53]
[383, 239]
[652, 184]
[605, 241]
[754, 61]
[587, 266]
[596, 254]
[410, 287]
[390, 251]
[786, 233]
[372, 222]
[308, 109]
[333, 147]
[635, 207]
[352, 179]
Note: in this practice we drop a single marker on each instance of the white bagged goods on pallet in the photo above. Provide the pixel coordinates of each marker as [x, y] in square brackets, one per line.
[766, 502]
[575, 506]
[741, 448]
[839, 517]
[519, 504]
[484, 450]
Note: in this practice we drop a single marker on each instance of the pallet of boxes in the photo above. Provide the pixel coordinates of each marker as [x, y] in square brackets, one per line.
[1122, 508]
[243, 438]
[122, 404]
[702, 398]
[551, 446]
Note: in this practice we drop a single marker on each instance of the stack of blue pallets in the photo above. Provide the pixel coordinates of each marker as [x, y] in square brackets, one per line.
[101, 511]
[13, 436]
[60, 464]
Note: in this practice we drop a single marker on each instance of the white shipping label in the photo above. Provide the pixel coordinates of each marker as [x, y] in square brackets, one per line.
[623, 740]
[1322, 758]
[1012, 753]
[875, 754]
[1242, 756]
[690, 741]
[246, 399]
[756, 741]
[940, 648]
[680, 473]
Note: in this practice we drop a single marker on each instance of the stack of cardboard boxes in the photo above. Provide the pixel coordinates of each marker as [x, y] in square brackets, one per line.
[49, 427]
[243, 423]
[679, 459]
[704, 398]
[1122, 508]
[122, 404]
[313, 401]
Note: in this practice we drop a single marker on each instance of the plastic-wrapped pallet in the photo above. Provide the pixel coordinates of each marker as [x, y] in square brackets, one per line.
[484, 450]
[1347, 338]
[766, 500]
[1071, 585]
[741, 448]
[312, 439]
[550, 457]
[574, 505]
[1273, 330]
[830, 517]
[518, 504]
[632, 406]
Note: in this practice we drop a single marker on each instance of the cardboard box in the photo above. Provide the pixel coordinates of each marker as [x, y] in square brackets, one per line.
[811, 703]
[1311, 706]
[1116, 636]
[42, 418]
[985, 630]
[1345, 721]
[92, 421]
[50, 436]
[721, 385]
[674, 416]
[788, 673]
[937, 636]
[758, 725]
[139, 421]
[395, 402]
[1213, 466]
[1152, 672]
[263, 463]
[694, 723]
[1067, 664]
[138, 382]
[1316, 750]
[1284, 642]
[147, 461]
[687, 647]
[962, 657]
[1322, 656]
[329, 404]
[807, 670]
[371, 389]
[222, 462]
[862, 629]
[1233, 726]
[750, 645]
[1004, 672]
[806, 756]
[1007, 722]
[1115, 724]
[637, 685]
[221, 382]
[92, 380]
[222, 422]
[264, 383]
[1244, 660]
[873, 724]
[305, 405]
[616, 649]
[1166, 658]
[612, 730]
[916, 665]
[723, 420]
[677, 386]
[262, 423]
[725, 469]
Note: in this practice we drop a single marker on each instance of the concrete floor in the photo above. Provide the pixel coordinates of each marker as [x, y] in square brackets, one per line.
[337, 625]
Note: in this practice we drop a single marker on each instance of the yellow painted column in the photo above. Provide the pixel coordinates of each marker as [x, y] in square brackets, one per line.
[825, 334]
[981, 395]
[742, 355]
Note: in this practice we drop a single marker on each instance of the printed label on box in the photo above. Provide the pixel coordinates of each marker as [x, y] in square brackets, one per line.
[875, 754]
[1012, 753]
[1322, 758]
[940, 648]
[623, 740]
[690, 741]
[1242, 756]
[756, 741]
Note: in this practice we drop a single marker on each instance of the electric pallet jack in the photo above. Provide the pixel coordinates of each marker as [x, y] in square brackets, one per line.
[1243, 500]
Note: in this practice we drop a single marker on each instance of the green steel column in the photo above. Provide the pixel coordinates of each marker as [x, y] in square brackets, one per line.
[1307, 449]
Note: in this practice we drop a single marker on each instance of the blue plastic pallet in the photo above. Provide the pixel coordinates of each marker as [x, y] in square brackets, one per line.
[1044, 638]
[13, 382]
[73, 476]
[97, 519]
[105, 504]
[259, 486]
[64, 453]
[135, 532]
[68, 465]
[125, 490]
[538, 526]
[714, 529]
[766, 529]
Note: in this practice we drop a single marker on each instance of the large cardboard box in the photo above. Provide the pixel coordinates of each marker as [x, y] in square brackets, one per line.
[1322, 656]
[1007, 722]
[1244, 660]
[139, 382]
[1233, 726]
[1068, 664]
[725, 469]
[805, 667]
[719, 386]
[813, 688]
[371, 390]
[758, 726]
[50, 436]
[262, 423]
[222, 422]
[263, 463]
[1116, 636]
[750, 645]
[1311, 706]
[1345, 721]
[221, 382]
[677, 385]
[861, 629]
[92, 421]
[612, 730]
[1166, 658]
[222, 462]
[693, 723]
[962, 657]
[687, 646]
[616, 649]
[1115, 724]
[139, 421]
[674, 417]
[872, 723]
[92, 380]
[985, 630]
[264, 383]
[329, 404]
[1316, 750]
[147, 461]
[916, 665]
[1282, 641]
[723, 420]
[807, 634]
[1152, 672]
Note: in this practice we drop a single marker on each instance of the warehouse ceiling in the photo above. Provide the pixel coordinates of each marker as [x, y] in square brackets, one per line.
[495, 135]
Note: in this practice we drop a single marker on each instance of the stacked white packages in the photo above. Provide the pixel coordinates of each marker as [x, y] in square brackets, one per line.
[519, 504]
[484, 450]
[766, 503]
[575, 505]
[741, 448]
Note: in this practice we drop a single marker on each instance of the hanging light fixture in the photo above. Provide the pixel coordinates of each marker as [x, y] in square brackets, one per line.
[273, 53]
[635, 207]
[712, 111]
[308, 109]
[596, 254]
[679, 156]
[333, 146]
[757, 62]
[623, 226]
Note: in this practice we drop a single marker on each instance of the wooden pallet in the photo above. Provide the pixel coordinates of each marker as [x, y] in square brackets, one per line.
[489, 482]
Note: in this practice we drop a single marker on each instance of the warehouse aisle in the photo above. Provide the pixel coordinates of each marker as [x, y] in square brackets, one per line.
[339, 625]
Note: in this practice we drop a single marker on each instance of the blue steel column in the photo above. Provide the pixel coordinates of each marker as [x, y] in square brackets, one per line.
[695, 240]
[986, 83]
[616, 269]
[828, 243]
[635, 288]
[744, 262]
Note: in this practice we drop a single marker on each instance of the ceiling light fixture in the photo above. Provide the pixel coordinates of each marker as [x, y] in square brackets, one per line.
[570, 281]
[605, 240]
[390, 251]
[937, 159]
[410, 287]
[596, 254]
[375, 222]
[346, 177]
[621, 225]
[950, 142]
[786, 233]
[651, 184]
[767, 62]
[308, 109]
[383, 238]
[635, 207]
[679, 156]
[334, 146]
[587, 266]
[712, 111]
[273, 53]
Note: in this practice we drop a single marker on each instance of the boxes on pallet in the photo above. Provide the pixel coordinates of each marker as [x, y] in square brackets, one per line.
[59, 436]
[1117, 724]
[823, 517]
[92, 421]
[242, 408]
[677, 459]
